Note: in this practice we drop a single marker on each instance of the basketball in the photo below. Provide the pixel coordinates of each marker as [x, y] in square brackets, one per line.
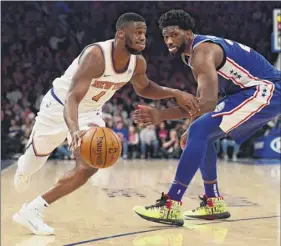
[100, 147]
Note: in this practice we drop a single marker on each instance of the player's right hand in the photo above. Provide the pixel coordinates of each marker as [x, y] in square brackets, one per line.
[76, 140]
[145, 116]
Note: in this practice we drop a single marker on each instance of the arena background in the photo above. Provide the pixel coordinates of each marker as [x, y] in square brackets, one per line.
[40, 40]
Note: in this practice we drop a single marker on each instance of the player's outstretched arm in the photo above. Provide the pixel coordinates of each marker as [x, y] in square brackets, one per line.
[205, 59]
[146, 115]
[91, 66]
[149, 89]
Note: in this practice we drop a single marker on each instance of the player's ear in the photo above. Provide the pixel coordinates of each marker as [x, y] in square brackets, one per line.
[188, 34]
[121, 34]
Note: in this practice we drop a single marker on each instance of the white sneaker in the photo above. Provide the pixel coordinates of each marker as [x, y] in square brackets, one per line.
[32, 219]
[225, 157]
[21, 182]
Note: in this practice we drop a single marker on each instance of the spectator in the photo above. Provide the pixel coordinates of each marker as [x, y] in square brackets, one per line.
[133, 141]
[122, 132]
[162, 132]
[149, 139]
[228, 142]
[171, 148]
[26, 128]
[63, 152]
[14, 136]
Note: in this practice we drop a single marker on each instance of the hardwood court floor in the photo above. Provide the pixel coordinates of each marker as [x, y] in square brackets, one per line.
[101, 211]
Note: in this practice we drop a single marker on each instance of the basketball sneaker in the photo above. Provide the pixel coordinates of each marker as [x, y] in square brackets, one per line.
[210, 209]
[21, 182]
[165, 211]
[32, 219]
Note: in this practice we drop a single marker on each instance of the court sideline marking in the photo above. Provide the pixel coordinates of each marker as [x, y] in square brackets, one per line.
[167, 228]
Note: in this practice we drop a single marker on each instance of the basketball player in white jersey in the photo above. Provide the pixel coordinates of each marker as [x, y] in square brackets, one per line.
[74, 104]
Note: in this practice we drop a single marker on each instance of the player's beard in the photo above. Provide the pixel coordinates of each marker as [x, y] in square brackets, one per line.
[179, 51]
[128, 43]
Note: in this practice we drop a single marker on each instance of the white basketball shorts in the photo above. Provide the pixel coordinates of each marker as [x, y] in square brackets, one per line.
[50, 129]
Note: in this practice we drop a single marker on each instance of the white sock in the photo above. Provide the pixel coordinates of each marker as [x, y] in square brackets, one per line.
[38, 203]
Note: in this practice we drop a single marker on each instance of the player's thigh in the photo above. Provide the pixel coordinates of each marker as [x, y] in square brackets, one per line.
[86, 123]
[205, 128]
[50, 129]
[243, 113]
[45, 138]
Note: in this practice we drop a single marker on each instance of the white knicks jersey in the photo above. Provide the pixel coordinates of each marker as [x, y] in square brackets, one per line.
[101, 89]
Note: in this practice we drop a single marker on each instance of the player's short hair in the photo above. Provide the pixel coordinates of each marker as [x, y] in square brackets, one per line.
[127, 18]
[177, 18]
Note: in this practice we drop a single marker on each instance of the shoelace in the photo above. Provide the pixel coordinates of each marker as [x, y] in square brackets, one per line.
[39, 215]
[159, 203]
[203, 203]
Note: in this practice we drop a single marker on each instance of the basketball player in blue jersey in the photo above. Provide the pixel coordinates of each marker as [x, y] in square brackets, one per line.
[251, 89]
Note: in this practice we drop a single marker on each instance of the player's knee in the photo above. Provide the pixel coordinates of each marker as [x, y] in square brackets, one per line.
[84, 172]
[197, 130]
[205, 128]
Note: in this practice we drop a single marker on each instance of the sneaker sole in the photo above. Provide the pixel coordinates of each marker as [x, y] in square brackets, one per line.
[17, 219]
[162, 221]
[224, 215]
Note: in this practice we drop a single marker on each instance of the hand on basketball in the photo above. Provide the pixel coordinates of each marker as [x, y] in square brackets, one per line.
[76, 139]
[188, 102]
[145, 116]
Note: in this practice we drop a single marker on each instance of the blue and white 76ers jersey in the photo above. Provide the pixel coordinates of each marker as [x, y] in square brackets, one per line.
[242, 67]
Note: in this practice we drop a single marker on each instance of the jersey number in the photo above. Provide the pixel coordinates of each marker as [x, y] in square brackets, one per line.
[98, 96]
[242, 46]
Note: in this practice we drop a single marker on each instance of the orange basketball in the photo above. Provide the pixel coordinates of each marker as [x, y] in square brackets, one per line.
[100, 147]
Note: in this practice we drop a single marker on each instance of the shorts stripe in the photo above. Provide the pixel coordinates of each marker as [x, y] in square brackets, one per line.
[34, 148]
[55, 96]
[239, 106]
[245, 110]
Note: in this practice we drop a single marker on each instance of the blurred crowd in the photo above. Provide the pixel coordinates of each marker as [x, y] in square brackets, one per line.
[40, 40]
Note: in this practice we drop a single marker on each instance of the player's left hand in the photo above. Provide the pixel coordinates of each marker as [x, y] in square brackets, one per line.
[145, 116]
[188, 102]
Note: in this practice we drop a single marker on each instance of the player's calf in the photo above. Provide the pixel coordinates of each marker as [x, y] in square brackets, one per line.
[71, 181]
